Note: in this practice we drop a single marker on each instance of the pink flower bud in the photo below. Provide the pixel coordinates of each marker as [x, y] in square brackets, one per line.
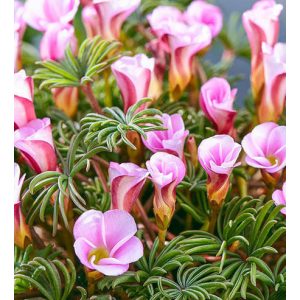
[112, 14]
[166, 171]
[201, 12]
[34, 140]
[21, 229]
[91, 21]
[126, 182]
[273, 101]
[133, 75]
[216, 101]
[217, 156]
[105, 241]
[279, 197]
[171, 140]
[19, 29]
[55, 41]
[66, 99]
[23, 99]
[39, 14]
[265, 147]
[262, 25]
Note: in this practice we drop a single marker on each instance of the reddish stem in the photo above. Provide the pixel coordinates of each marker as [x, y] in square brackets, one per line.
[100, 176]
[87, 89]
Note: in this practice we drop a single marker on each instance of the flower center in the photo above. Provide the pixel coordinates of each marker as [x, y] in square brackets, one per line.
[272, 159]
[98, 253]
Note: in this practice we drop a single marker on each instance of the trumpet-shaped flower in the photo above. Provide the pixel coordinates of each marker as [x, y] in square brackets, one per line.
[111, 15]
[105, 241]
[166, 171]
[218, 156]
[265, 147]
[21, 229]
[261, 24]
[126, 182]
[19, 29]
[55, 41]
[133, 76]
[201, 12]
[23, 99]
[34, 140]
[40, 14]
[171, 140]
[279, 197]
[216, 101]
[273, 101]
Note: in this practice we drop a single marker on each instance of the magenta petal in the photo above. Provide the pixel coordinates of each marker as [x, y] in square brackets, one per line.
[110, 267]
[90, 225]
[129, 252]
[119, 227]
[82, 249]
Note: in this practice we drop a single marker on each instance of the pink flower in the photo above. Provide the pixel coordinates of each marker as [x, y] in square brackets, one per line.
[55, 41]
[201, 12]
[166, 171]
[112, 14]
[170, 140]
[21, 229]
[133, 75]
[265, 147]
[23, 99]
[126, 182]
[35, 142]
[181, 40]
[216, 101]
[217, 156]
[105, 241]
[19, 29]
[91, 21]
[39, 14]
[66, 99]
[262, 25]
[279, 197]
[273, 101]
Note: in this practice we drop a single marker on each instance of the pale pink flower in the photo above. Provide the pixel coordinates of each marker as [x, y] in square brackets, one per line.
[166, 171]
[170, 140]
[261, 24]
[23, 99]
[19, 29]
[34, 140]
[273, 101]
[112, 14]
[105, 241]
[126, 182]
[279, 198]
[55, 41]
[216, 101]
[217, 156]
[39, 14]
[201, 12]
[265, 147]
[91, 21]
[133, 76]
[21, 229]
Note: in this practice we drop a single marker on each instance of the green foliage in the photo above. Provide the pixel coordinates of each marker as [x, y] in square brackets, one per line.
[111, 130]
[94, 56]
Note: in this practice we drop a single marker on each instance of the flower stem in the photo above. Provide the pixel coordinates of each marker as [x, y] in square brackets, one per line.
[107, 99]
[100, 176]
[162, 237]
[213, 217]
[87, 89]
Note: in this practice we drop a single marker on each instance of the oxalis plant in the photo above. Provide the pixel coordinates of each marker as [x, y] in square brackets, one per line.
[135, 175]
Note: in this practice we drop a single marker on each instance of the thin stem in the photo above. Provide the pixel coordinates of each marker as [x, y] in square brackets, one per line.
[213, 217]
[162, 237]
[243, 187]
[145, 219]
[100, 176]
[87, 89]
[170, 236]
[107, 99]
